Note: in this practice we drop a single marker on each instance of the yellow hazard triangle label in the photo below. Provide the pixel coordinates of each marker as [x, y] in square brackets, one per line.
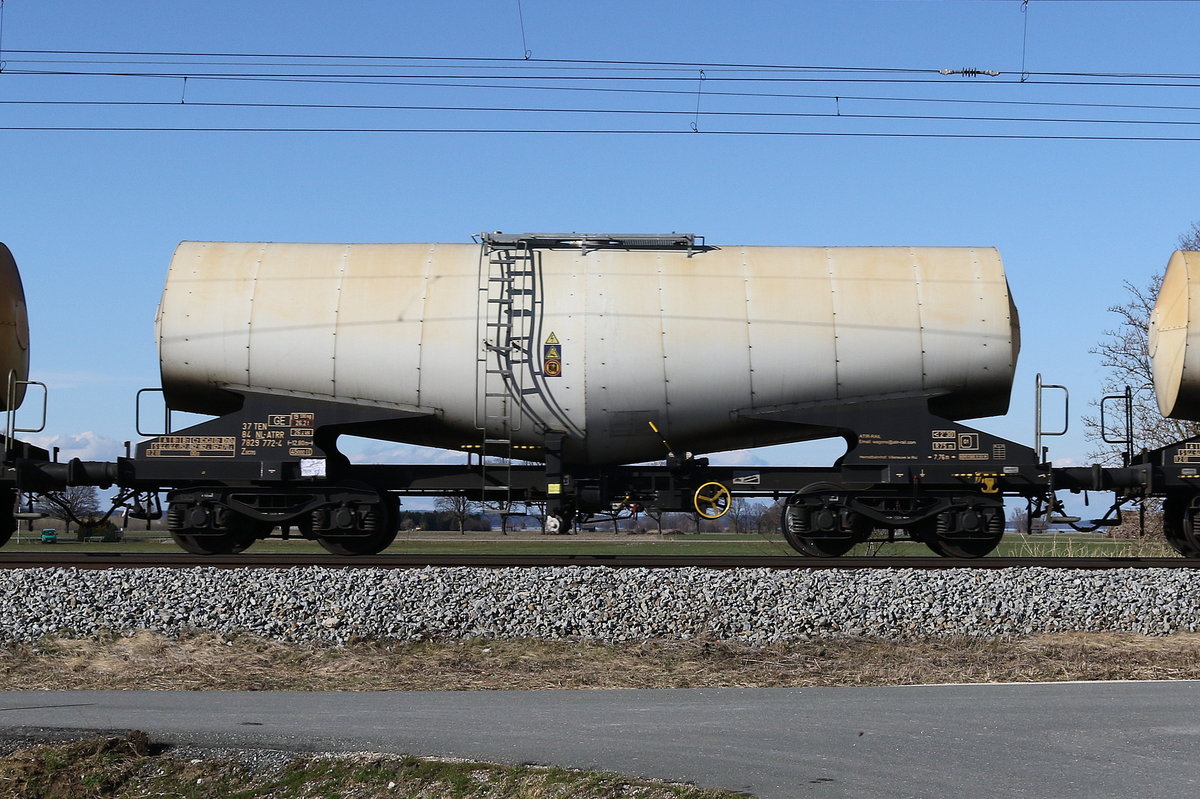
[552, 357]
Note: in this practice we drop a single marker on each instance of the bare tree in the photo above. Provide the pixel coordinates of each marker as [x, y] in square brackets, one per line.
[1191, 239]
[537, 512]
[677, 521]
[743, 515]
[459, 508]
[78, 504]
[769, 516]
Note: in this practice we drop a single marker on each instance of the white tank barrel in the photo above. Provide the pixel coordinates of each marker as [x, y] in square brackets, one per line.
[14, 333]
[596, 344]
[1175, 338]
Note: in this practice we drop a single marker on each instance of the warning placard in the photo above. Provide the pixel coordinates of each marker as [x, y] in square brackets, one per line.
[552, 357]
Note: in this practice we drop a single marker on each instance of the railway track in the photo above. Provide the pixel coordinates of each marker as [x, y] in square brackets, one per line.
[30, 560]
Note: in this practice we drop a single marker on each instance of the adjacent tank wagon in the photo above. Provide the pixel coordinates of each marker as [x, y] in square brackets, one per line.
[14, 333]
[14, 374]
[1173, 471]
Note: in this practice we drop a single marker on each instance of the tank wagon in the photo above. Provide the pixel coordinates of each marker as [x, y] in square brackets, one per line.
[564, 363]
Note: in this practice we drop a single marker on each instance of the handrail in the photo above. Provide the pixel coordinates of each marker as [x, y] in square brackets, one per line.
[1038, 431]
[137, 411]
[10, 425]
[1127, 410]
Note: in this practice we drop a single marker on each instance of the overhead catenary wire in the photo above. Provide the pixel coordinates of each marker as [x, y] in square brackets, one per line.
[756, 82]
[600, 131]
[1051, 79]
[601, 89]
[686, 68]
[836, 113]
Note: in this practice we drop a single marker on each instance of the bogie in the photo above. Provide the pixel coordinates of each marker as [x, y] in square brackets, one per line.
[345, 520]
[209, 528]
[820, 522]
[358, 528]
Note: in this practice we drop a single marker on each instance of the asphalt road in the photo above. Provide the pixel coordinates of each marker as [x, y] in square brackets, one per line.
[1057, 740]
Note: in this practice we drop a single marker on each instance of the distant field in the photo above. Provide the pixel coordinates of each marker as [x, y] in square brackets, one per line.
[1014, 545]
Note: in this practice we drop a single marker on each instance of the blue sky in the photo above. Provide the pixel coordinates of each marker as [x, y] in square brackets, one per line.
[92, 216]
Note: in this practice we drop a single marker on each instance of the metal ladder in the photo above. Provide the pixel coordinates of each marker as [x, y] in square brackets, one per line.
[508, 368]
[506, 312]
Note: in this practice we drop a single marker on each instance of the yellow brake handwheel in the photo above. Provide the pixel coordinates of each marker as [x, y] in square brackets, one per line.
[712, 500]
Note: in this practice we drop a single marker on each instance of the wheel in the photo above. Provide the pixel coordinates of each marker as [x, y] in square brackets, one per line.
[1179, 526]
[371, 544]
[239, 534]
[214, 544]
[245, 531]
[970, 532]
[964, 548]
[8, 522]
[816, 525]
[380, 519]
[821, 547]
[711, 500]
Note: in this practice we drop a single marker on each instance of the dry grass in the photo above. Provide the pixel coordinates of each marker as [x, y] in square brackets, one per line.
[1065, 546]
[209, 662]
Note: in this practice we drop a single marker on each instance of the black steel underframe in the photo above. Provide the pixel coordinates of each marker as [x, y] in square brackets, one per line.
[904, 466]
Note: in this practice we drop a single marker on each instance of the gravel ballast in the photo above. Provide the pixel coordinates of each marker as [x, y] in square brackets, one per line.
[758, 607]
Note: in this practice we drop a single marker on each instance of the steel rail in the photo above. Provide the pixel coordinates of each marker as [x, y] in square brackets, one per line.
[108, 560]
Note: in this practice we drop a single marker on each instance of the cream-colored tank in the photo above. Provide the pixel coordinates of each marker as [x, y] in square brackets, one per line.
[14, 333]
[1175, 338]
[595, 344]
